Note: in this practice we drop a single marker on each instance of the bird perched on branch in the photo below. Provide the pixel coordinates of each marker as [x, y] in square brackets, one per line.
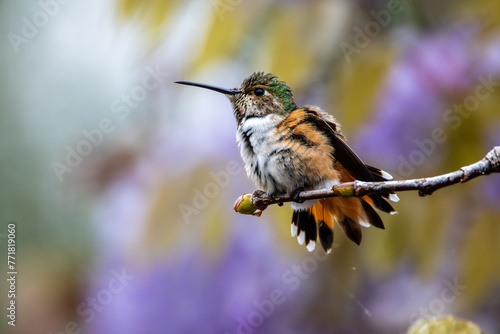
[287, 149]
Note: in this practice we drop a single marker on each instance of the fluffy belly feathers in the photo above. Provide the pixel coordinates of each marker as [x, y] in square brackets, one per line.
[278, 164]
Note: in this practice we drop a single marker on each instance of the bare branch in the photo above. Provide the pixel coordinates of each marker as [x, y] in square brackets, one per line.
[255, 203]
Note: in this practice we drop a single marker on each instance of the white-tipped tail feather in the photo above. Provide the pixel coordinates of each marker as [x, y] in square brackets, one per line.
[301, 238]
[364, 223]
[311, 245]
[386, 175]
[394, 197]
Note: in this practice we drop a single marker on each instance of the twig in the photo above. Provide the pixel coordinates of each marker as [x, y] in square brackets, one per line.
[257, 202]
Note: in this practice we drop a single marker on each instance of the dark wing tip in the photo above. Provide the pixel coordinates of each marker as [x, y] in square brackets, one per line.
[381, 203]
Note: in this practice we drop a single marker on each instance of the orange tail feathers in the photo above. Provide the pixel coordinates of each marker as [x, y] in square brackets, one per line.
[318, 220]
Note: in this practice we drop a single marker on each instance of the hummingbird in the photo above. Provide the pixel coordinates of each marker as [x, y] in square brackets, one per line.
[287, 149]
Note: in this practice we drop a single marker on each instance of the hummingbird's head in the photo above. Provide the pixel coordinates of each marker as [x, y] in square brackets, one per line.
[260, 94]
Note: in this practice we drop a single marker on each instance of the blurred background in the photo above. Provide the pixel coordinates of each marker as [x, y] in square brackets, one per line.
[122, 184]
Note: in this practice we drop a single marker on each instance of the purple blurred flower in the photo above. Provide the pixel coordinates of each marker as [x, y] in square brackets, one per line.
[196, 293]
[411, 103]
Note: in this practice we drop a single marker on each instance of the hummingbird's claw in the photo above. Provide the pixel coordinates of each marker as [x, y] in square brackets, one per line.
[274, 197]
[295, 195]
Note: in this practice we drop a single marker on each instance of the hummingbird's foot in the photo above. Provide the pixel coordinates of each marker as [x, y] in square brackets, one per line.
[295, 195]
[274, 197]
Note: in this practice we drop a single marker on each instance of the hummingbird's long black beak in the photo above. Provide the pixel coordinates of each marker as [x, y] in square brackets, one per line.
[215, 88]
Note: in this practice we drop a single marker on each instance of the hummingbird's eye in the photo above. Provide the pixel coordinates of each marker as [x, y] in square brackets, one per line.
[259, 92]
